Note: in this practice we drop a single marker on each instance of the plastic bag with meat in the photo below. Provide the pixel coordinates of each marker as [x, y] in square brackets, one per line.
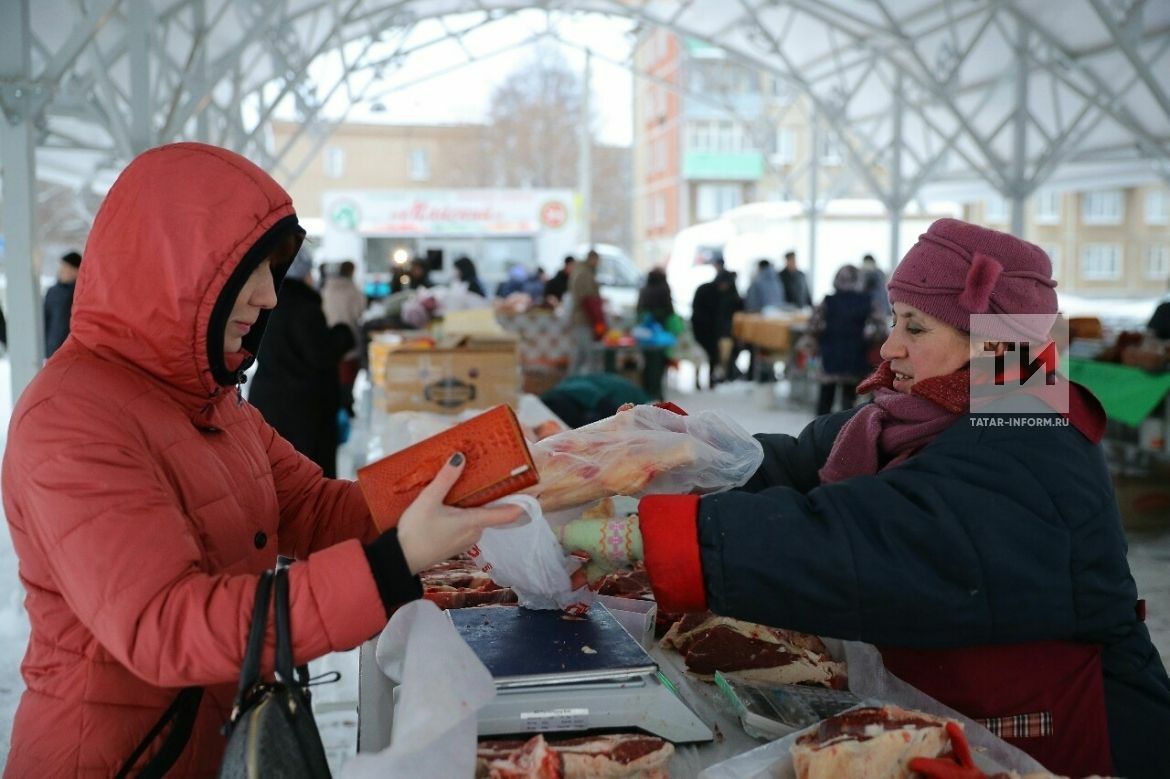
[641, 451]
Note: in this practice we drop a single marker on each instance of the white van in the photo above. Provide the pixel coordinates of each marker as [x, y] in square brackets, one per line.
[846, 230]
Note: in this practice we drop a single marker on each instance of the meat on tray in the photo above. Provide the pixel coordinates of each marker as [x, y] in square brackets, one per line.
[875, 741]
[757, 653]
[458, 583]
[613, 756]
[634, 583]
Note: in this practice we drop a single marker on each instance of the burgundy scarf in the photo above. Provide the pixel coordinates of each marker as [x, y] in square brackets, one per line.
[901, 423]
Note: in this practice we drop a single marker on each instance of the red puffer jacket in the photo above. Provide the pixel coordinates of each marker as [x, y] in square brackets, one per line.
[143, 497]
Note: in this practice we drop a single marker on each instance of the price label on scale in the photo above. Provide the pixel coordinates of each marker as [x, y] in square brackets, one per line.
[555, 719]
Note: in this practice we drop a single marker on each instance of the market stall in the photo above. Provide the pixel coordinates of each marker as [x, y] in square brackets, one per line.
[616, 668]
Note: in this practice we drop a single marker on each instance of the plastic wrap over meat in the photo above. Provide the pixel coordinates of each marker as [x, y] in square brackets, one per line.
[642, 451]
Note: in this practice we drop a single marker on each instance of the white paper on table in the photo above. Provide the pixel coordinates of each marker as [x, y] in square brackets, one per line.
[443, 687]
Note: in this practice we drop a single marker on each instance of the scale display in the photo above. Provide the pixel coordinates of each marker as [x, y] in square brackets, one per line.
[528, 647]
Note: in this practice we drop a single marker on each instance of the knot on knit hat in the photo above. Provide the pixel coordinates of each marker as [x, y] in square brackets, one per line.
[958, 269]
[980, 283]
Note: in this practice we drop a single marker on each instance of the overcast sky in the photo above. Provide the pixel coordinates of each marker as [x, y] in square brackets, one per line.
[461, 94]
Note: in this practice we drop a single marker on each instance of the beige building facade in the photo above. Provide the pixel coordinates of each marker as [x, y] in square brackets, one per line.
[1104, 243]
[377, 156]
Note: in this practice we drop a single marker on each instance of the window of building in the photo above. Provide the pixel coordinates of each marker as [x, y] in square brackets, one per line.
[1046, 204]
[420, 166]
[831, 153]
[1157, 207]
[699, 136]
[995, 209]
[714, 199]
[1101, 261]
[1053, 252]
[660, 210]
[1102, 207]
[334, 162]
[785, 153]
[1158, 262]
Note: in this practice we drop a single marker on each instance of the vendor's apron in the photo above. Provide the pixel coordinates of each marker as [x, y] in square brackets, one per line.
[1046, 698]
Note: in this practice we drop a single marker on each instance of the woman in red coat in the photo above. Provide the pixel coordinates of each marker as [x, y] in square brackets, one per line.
[144, 496]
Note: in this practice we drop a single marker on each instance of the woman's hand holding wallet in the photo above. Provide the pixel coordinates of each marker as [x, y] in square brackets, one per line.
[431, 531]
[428, 532]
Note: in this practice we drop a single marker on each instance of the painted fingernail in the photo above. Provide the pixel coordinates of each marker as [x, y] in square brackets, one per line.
[457, 459]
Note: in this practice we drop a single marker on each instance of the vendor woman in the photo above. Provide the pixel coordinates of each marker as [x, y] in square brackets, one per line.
[988, 563]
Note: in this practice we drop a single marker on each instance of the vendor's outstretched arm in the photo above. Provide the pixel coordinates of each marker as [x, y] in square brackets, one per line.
[958, 546]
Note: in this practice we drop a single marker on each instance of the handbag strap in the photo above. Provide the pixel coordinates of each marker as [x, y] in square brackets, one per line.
[284, 651]
[250, 670]
[182, 710]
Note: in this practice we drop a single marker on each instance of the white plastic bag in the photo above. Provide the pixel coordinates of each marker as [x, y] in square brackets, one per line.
[527, 557]
[443, 686]
[642, 451]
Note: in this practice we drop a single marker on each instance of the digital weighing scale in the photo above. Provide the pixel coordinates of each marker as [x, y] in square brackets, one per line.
[557, 673]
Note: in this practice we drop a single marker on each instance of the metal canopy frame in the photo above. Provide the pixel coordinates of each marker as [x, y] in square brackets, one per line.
[926, 97]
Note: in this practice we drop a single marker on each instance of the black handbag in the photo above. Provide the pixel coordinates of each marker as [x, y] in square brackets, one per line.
[272, 731]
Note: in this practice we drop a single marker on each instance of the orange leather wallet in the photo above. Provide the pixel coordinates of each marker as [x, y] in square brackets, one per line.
[498, 464]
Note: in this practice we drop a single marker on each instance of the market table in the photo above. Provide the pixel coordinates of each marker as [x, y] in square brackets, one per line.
[771, 333]
[376, 696]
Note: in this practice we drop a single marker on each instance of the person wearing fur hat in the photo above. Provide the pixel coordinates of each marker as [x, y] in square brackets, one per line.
[145, 497]
[981, 549]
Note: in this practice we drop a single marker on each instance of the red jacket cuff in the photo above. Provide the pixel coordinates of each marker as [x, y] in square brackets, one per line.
[670, 544]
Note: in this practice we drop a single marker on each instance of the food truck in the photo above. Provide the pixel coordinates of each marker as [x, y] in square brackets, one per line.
[383, 231]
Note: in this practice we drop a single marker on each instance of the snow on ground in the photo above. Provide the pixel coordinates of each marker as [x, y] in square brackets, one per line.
[759, 408]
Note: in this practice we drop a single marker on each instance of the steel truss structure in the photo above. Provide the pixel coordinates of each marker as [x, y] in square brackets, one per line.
[924, 96]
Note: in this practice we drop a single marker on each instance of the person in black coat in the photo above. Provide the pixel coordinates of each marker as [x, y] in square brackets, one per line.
[964, 524]
[796, 292]
[59, 303]
[465, 270]
[712, 310]
[839, 324]
[558, 285]
[296, 385]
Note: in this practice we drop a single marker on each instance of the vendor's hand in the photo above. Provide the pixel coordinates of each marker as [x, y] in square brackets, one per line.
[608, 545]
[431, 531]
[959, 765]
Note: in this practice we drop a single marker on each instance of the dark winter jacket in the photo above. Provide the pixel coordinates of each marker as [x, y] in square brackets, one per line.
[842, 342]
[795, 288]
[296, 386]
[712, 312]
[989, 535]
[58, 309]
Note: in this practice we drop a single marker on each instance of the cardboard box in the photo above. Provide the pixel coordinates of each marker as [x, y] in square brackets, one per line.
[454, 375]
[1144, 501]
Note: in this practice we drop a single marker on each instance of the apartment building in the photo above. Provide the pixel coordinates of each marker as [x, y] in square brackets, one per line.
[710, 135]
[1111, 243]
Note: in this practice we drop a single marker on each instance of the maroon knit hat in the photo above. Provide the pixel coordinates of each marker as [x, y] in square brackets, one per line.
[958, 269]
